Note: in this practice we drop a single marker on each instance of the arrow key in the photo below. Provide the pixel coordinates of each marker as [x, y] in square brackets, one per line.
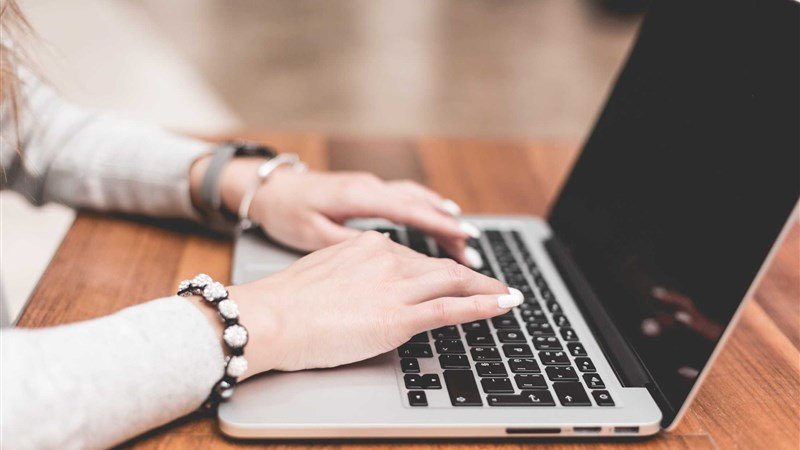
[571, 394]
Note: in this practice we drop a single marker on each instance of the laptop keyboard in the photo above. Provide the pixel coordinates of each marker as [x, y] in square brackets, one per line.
[528, 357]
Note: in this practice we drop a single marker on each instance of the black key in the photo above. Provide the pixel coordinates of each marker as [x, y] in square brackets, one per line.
[418, 241]
[478, 325]
[461, 388]
[485, 354]
[540, 329]
[535, 316]
[571, 394]
[454, 362]
[431, 381]
[415, 351]
[593, 381]
[510, 336]
[585, 365]
[553, 306]
[491, 369]
[497, 386]
[530, 381]
[568, 334]
[546, 294]
[417, 398]
[517, 350]
[505, 321]
[576, 349]
[540, 282]
[554, 358]
[523, 365]
[450, 332]
[480, 339]
[603, 398]
[561, 320]
[449, 347]
[558, 373]
[413, 381]
[527, 398]
[420, 338]
[546, 343]
[409, 365]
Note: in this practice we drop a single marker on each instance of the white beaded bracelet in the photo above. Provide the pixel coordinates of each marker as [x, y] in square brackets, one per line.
[235, 335]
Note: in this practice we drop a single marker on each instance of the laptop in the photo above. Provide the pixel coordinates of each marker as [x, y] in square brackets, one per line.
[632, 284]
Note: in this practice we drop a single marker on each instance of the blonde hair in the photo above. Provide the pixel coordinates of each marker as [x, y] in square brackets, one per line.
[14, 29]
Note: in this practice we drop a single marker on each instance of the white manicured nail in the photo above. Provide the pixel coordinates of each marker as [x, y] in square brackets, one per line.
[451, 207]
[470, 229]
[473, 258]
[512, 299]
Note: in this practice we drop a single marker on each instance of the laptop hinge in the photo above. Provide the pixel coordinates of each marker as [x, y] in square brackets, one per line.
[623, 359]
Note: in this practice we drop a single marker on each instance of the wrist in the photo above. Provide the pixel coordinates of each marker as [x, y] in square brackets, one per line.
[263, 328]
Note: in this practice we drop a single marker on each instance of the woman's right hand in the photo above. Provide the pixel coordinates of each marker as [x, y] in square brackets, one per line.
[356, 300]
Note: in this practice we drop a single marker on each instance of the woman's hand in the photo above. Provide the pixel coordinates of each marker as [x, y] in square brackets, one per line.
[307, 210]
[356, 300]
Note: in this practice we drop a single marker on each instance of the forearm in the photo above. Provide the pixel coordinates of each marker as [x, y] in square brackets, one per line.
[97, 383]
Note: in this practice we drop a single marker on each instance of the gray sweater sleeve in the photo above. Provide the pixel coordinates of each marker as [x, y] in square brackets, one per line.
[58, 152]
[97, 383]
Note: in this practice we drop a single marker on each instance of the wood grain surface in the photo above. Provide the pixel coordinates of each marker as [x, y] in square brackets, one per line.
[751, 398]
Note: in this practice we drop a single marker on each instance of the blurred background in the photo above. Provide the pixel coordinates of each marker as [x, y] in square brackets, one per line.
[533, 69]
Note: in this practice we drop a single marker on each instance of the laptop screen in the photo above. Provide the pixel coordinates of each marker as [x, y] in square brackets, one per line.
[688, 178]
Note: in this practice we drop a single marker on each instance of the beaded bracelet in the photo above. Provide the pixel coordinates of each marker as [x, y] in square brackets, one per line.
[234, 335]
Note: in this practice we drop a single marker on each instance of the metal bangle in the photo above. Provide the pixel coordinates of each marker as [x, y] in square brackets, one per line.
[263, 173]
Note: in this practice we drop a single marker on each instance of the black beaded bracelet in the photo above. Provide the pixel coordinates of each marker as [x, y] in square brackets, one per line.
[235, 335]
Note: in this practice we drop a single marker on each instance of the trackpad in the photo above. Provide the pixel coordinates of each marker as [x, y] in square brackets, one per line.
[255, 256]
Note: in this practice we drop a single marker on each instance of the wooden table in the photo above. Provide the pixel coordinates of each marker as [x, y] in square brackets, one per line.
[750, 399]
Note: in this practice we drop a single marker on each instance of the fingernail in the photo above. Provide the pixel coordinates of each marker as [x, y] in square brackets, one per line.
[470, 229]
[451, 207]
[473, 258]
[510, 300]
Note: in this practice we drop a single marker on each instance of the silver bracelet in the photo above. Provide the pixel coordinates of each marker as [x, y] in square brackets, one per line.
[263, 173]
[235, 335]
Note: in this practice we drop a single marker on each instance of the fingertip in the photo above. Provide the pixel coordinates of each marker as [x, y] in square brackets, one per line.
[473, 258]
[510, 300]
[451, 207]
[471, 230]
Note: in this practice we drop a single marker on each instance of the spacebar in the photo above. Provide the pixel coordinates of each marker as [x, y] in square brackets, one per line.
[462, 388]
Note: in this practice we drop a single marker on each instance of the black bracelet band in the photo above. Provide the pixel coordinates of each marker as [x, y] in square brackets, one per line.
[234, 335]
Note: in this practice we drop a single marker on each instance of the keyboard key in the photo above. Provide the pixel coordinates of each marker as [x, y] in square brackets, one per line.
[510, 336]
[571, 394]
[576, 349]
[538, 279]
[449, 347]
[420, 338]
[417, 398]
[478, 325]
[523, 365]
[559, 373]
[561, 320]
[485, 354]
[431, 381]
[413, 381]
[602, 398]
[505, 321]
[568, 334]
[553, 306]
[546, 294]
[540, 329]
[409, 365]
[593, 381]
[417, 241]
[527, 398]
[450, 332]
[415, 351]
[454, 362]
[461, 388]
[497, 386]
[585, 365]
[480, 339]
[546, 343]
[554, 358]
[517, 350]
[491, 369]
[535, 316]
[530, 381]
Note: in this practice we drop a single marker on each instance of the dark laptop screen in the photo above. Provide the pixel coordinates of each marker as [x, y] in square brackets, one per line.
[688, 177]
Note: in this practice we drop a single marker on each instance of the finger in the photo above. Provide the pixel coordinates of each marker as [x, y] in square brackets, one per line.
[454, 310]
[434, 277]
[413, 188]
[461, 252]
[331, 233]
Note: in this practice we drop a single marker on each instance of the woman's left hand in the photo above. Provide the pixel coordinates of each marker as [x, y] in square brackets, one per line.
[307, 210]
